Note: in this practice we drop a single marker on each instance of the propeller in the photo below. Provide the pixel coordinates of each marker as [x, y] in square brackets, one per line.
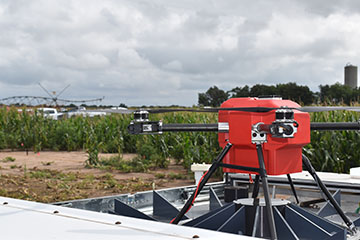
[243, 109]
[326, 109]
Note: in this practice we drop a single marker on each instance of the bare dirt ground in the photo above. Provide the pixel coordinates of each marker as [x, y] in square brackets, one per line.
[59, 176]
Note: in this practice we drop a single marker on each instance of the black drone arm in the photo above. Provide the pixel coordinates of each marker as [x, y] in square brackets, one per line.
[159, 127]
[190, 127]
[322, 126]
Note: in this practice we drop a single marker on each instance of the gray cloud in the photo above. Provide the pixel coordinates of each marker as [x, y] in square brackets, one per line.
[165, 52]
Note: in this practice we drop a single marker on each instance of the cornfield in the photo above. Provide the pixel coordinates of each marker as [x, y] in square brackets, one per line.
[334, 151]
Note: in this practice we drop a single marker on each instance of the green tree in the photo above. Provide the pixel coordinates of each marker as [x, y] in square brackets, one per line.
[338, 93]
[239, 92]
[261, 90]
[213, 97]
[123, 105]
[296, 93]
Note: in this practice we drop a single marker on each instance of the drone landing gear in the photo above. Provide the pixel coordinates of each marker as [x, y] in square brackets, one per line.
[262, 175]
[268, 206]
[330, 198]
[202, 183]
[293, 188]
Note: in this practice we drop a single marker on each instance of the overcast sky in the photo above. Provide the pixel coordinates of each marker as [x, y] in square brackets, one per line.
[163, 52]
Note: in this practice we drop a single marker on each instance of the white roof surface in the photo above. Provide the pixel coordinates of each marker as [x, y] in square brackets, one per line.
[30, 220]
[326, 176]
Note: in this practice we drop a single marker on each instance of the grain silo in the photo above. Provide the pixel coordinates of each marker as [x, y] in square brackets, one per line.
[351, 76]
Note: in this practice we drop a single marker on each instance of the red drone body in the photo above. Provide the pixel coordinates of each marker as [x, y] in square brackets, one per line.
[264, 136]
[282, 155]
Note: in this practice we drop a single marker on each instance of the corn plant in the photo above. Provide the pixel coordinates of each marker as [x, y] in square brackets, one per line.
[334, 151]
[329, 150]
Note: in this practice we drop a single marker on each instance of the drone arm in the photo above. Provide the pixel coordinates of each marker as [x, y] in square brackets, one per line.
[211, 127]
[159, 127]
[323, 126]
[224, 127]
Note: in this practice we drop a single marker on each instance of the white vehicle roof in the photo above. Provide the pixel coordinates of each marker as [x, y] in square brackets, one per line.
[45, 109]
[37, 221]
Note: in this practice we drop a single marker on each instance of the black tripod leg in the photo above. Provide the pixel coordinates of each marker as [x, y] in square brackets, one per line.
[311, 170]
[211, 170]
[256, 187]
[269, 210]
[292, 188]
[227, 178]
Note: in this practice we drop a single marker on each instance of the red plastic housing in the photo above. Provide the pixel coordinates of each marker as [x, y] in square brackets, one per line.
[281, 155]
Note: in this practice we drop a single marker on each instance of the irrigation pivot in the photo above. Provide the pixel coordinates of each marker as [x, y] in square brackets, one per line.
[51, 99]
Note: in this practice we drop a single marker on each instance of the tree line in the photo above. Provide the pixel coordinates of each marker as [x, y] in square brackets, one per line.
[330, 94]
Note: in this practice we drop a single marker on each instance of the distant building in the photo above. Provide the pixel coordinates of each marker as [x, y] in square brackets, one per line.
[350, 76]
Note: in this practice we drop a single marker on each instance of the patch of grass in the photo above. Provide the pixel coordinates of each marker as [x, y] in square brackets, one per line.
[86, 183]
[3, 192]
[160, 175]
[14, 166]
[109, 182]
[173, 175]
[118, 163]
[41, 174]
[67, 177]
[139, 186]
[52, 186]
[8, 159]
[52, 174]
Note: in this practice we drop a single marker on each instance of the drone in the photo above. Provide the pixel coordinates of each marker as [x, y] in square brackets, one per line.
[258, 135]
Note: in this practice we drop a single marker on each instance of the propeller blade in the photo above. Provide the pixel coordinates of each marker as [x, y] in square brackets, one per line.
[248, 109]
[120, 111]
[209, 110]
[302, 109]
[243, 109]
[326, 109]
[81, 101]
[166, 110]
